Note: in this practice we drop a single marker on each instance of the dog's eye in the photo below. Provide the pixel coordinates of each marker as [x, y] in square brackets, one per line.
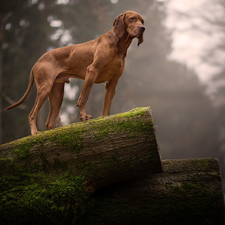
[143, 22]
[133, 19]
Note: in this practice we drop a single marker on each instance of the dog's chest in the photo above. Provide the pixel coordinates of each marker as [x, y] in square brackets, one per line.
[113, 69]
[115, 65]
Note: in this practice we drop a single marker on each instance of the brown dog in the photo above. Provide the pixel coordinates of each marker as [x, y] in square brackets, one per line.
[97, 61]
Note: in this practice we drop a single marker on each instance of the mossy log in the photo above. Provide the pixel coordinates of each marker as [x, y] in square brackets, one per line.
[47, 177]
[187, 192]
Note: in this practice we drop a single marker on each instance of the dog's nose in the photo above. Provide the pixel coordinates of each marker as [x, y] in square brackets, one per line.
[142, 28]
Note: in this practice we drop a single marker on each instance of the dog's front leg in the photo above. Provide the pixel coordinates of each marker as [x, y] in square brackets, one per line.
[90, 78]
[110, 90]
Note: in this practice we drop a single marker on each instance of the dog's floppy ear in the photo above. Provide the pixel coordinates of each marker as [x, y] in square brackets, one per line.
[119, 26]
[140, 40]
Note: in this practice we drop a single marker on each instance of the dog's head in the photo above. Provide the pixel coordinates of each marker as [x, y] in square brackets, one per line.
[130, 22]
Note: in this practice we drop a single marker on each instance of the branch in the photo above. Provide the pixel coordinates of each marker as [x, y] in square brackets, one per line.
[10, 101]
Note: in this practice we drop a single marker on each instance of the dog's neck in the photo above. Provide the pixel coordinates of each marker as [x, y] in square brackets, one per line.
[123, 43]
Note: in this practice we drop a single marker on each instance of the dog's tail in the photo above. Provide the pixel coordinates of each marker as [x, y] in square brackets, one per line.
[30, 85]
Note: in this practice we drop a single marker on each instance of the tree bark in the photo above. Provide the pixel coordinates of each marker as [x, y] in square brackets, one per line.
[187, 192]
[73, 162]
[50, 178]
[113, 148]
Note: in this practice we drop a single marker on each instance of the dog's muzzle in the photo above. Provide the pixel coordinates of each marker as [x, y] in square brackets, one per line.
[142, 29]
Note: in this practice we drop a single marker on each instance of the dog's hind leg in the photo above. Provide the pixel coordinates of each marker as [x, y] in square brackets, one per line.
[42, 94]
[55, 99]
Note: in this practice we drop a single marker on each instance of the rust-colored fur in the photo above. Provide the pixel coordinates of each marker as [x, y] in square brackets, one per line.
[97, 61]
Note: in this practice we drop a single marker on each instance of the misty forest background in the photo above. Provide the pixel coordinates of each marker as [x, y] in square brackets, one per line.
[189, 123]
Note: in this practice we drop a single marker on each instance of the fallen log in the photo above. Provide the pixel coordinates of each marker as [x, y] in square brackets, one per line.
[47, 177]
[187, 192]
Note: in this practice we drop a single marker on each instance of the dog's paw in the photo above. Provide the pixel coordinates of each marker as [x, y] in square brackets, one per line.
[88, 117]
[35, 132]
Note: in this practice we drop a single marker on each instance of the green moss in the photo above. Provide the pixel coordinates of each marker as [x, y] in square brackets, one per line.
[118, 124]
[53, 138]
[23, 149]
[4, 161]
[48, 201]
[74, 138]
[53, 196]
[47, 190]
[204, 165]
[125, 126]
[135, 112]
[22, 153]
[101, 128]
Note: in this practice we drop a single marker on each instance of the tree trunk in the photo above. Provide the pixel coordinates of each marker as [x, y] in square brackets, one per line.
[73, 162]
[187, 192]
